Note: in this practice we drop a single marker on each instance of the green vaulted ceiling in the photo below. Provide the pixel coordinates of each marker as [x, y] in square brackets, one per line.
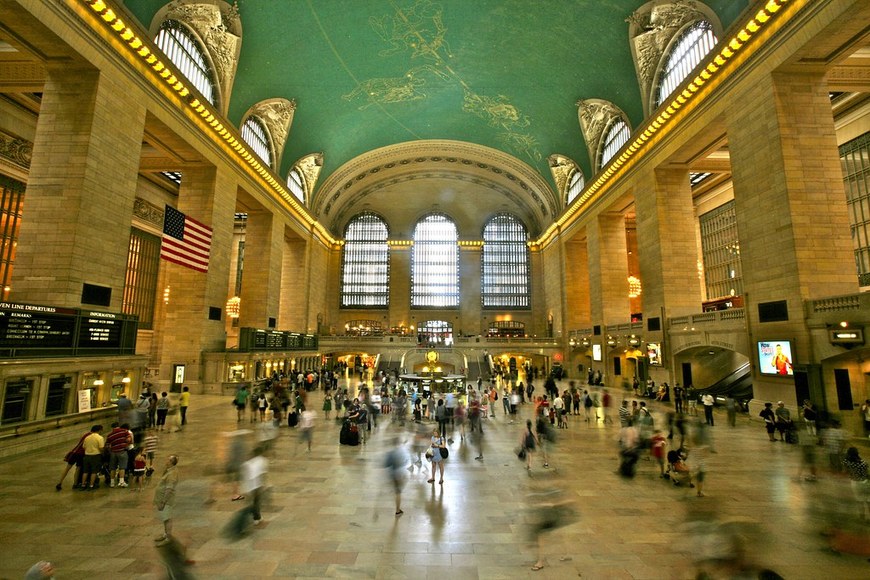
[501, 73]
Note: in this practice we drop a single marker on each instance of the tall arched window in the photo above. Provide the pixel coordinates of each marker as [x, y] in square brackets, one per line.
[687, 52]
[615, 137]
[365, 267]
[575, 186]
[435, 263]
[257, 137]
[295, 184]
[505, 264]
[185, 52]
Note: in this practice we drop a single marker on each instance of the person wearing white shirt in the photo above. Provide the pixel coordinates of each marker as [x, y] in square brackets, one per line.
[707, 400]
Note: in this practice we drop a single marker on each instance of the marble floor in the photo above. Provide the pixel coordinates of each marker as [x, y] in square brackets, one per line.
[330, 513]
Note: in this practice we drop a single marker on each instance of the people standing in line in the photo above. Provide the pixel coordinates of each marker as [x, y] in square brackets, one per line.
[74, 458]
[150, 446]
[93, 458]
[118, 439]
[164, 498]
[139, 464]
[769, 420]
[162, 410]
[437, 443]
[708, 401]
[183, 404]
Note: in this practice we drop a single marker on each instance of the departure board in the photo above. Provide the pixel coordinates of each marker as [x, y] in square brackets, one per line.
[39, 330]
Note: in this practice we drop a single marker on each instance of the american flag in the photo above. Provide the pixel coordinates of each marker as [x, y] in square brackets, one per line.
[185, 240]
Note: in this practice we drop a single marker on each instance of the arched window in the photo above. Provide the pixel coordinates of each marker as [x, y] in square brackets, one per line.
[505, 264]
[575, 186]
[185, 52]
[257, 137]
[615, 137]
[365, 267]
[295, 185]
[688, 50]
[435, 263]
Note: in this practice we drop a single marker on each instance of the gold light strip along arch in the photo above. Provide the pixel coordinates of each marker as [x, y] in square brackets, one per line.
[769, 18]
[140, 50]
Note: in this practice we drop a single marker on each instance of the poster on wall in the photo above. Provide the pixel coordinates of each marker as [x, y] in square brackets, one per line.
[774, 358]
[596, 352]
[654, 353]
[84, 400]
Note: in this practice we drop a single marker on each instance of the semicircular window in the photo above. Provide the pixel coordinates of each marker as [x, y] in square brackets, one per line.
[688, 50]
[615, 137]
[295, 185]
[365, 267]
[575, 186]
[257, 137]
[186, 53]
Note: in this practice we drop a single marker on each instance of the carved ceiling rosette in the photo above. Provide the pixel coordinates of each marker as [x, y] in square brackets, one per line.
[651, 29]
[277, 115]
[594, 115]
[219, 26]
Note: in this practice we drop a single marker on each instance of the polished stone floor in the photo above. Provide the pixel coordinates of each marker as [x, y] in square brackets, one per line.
[330, 513]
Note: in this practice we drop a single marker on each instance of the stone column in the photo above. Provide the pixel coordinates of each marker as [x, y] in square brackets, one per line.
[667, 245]
[400, 286]
[292, 291]
[791, 211]
[577, 285]
[470, 306]
[261, 280]
[207, 195]
[80, 192]
[608, 270]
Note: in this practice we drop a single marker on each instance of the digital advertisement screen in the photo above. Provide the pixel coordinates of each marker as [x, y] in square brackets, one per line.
[596, 352]
[775, 358]
[654, 353]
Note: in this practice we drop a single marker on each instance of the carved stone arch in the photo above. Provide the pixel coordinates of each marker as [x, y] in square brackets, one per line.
[563, 169]
[277, 117]
[308, 168]
[595, 117]
[218, 28]
[652, 30]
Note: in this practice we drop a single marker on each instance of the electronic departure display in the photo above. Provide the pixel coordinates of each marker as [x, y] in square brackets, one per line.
[36, 330]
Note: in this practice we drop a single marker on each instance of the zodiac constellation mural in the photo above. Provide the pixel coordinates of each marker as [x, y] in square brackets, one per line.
[419, 30]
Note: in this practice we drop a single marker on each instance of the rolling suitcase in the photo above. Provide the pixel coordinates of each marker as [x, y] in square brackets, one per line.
[349, 434]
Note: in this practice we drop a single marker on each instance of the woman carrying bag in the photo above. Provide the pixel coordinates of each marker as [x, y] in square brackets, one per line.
[438, 452]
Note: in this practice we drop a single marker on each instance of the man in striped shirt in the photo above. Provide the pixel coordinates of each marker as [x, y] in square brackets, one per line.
[118, 440]
[624, 415]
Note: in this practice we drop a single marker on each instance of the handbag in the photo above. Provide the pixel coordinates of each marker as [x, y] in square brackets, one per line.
[521, 454]
[445, 453]
[429, 454]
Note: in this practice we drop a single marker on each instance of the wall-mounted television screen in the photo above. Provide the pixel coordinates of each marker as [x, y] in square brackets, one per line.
[596, 352]
[775, 358]
[654, 353]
